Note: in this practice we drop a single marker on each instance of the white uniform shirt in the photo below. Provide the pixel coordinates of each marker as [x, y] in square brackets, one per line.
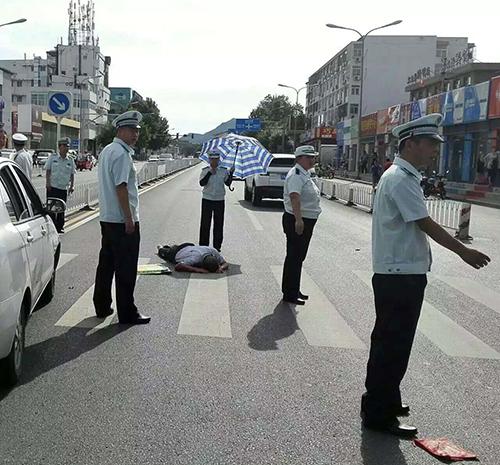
[61, 170]
[299, 180]
[25, 161]
[215, 189]
[193, 255]
[398, 244]
[489, 159]
[116, 167]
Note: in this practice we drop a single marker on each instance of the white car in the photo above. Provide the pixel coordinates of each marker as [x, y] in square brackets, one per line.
[7, 153]
[154, 158]
[29, 254]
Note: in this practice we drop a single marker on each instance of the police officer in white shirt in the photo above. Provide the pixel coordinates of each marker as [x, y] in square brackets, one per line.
[60, 177]
[213, 179]
[301, 198]
[119, 216]
[401, 258]
[22, 156]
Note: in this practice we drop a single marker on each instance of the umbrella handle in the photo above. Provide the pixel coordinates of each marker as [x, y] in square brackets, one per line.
[234, 163]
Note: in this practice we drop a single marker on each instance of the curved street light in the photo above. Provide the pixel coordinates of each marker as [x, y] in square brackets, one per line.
[17, 21]
[361, 39]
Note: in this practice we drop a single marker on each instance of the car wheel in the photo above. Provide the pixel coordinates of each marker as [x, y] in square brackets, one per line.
[256, 198]
[11, 366]
[247, 193]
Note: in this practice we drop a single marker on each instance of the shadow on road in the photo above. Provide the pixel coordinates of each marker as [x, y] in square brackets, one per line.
[44, 356]
[266, 206]
[379, 448]
[270, 329]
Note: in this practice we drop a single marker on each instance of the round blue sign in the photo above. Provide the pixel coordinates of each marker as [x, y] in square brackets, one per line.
[59, 104]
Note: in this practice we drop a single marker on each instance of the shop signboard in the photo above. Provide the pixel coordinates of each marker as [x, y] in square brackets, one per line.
[435, 104]
[326, 133]
[393, 117]
[448, 108]
[458, 105]
[382, 116]
[369, 125]
[494, 100]
[405, 114]
[418, 108]
[476, 102]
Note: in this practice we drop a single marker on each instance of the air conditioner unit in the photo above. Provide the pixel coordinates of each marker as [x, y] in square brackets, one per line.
[356, 78]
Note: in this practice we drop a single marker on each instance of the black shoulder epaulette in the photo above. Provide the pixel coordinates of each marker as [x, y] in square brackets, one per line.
[297, 171]
[408, 172]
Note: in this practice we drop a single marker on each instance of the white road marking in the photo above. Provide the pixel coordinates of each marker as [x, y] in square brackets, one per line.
[319, 320]
[255, 221]
[206, 307]
[477, 291]
[450, 337]
[82, 313]
[65, 258]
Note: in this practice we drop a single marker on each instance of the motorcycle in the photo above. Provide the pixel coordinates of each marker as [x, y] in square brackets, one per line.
[434, 185]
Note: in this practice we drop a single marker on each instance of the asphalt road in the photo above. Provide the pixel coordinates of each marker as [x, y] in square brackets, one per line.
[226, 374]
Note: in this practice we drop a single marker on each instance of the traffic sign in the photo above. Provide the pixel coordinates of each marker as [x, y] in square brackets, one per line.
[250, 125]
[59, 103]
[75, 144]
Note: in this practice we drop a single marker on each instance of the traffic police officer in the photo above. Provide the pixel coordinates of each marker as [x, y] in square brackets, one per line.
[22, 156]
[60, 173]
[119, 216]
[213, 179]
[401, 258]
[301, 197]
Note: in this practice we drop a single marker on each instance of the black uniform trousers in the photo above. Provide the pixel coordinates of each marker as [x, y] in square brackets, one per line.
[58, 194]
[398, 301]
[296, 251]
[211, 208]
[118, 257]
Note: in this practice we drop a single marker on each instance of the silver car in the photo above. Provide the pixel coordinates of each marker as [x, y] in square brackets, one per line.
[29, 253]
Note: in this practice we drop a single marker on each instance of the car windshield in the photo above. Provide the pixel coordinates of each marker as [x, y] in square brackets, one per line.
[282, 162]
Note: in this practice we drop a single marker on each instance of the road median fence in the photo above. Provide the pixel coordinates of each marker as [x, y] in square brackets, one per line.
[450, 214]
[86, 195]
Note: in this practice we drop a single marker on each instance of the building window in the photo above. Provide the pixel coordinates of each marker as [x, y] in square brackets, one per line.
[19, 83]
[39, 98]
[354, 110]
[355, 90]
[42, 68]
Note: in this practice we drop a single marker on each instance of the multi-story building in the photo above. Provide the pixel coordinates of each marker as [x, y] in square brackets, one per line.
[79, 69]
[333, 94]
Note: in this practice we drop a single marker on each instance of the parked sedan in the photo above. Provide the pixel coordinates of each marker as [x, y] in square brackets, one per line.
[29, 254]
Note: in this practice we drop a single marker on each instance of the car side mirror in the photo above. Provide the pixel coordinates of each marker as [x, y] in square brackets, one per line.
[55, 206]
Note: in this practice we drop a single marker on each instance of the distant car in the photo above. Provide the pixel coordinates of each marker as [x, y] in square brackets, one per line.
[153, 158]
[7, 153]
[270, 185]
[28, 262]
[40, 156]
[86, 162]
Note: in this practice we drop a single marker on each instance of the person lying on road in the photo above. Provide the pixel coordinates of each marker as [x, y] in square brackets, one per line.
[194, 258]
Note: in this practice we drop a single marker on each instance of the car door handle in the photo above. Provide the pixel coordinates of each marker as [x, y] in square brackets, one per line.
[44, 231]
[29, 238]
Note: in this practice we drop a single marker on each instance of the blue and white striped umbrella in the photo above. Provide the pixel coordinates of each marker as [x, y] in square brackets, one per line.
[246, 154]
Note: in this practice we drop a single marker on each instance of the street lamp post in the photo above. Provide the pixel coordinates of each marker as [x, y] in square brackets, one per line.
[17, 21]
[297, 92]
[361, 39]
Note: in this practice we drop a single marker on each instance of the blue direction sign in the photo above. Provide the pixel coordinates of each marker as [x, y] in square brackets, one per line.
[59, 103]
[75, 144]
[250, 125]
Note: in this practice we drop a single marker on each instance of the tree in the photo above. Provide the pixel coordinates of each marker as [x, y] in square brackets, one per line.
[106, 135]
[276, 113]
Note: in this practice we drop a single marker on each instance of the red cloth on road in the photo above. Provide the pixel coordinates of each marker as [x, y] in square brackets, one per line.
[444, 449]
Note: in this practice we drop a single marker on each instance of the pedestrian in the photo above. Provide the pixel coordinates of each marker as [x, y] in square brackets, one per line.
[60, 177]
[119, 216]
[401, 259]
[301, 198]
[376, 170]
[3, 137]
[194, 258]
[364, 162]
[213, 179]
[491, 164]
[22, 156]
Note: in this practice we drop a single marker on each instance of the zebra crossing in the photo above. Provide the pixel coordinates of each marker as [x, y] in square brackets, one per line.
[320, 321]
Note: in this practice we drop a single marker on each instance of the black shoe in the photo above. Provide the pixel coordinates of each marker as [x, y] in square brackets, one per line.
[303, 296]
[137, 320]
[104, 314]
[392, 427]
[402, 410]
[291, 300]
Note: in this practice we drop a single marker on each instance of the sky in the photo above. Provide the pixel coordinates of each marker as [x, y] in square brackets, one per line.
[205, 62]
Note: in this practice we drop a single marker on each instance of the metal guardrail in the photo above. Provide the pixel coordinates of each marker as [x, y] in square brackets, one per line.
[448, 213]
[87, 195]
